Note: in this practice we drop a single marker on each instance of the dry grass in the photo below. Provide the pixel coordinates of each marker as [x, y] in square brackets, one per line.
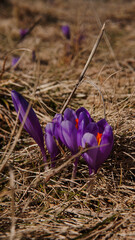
[31, 208]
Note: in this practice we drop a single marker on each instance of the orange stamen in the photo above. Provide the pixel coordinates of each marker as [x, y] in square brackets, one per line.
[76, 125]
[98, 137]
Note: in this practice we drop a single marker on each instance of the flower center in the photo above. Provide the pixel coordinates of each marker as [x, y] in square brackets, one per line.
[76, 125]
[98, 137]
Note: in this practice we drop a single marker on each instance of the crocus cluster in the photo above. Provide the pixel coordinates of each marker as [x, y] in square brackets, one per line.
[75, 129]
[71, 130]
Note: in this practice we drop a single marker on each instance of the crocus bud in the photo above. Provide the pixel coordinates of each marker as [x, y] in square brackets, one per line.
[66, 31]
[31, 125]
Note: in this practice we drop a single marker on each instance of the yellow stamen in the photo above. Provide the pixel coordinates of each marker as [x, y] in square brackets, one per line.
[98, 137]
[76, 125]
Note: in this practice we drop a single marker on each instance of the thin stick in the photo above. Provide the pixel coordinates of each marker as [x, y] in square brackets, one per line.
[12, 183]
[85, 67]
[105, 35]
[93, 84]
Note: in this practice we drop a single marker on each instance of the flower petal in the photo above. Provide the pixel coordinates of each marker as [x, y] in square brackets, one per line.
[82, 109]
[84, 117]
[23, 33]
[80, 132]
[58, 118]
[50, 142]
[69, 114]
[91, 155]
[82, 124]
[31, 125]
[15, 61]
[101, 125]
[69, 133]
[106, 145]
[57, 131]
[92, 127]
[66, 31]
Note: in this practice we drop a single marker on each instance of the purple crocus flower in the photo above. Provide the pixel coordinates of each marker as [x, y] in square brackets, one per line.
[98, 135]
[105, 141]
[23, 33]
[101, 137]
[66, 31]
[31, 125]
[14, 61]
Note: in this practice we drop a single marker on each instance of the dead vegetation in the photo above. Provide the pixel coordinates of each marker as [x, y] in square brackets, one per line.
[31, 208]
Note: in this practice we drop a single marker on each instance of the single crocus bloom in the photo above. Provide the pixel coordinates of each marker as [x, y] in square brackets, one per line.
[77, 122]
[23, 33]
[105, 142]
[100, 140]
[14, 61]
[98, 136]
[31, 125]
[66, 31]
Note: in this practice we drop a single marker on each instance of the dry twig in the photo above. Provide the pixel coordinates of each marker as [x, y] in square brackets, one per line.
[85, 67]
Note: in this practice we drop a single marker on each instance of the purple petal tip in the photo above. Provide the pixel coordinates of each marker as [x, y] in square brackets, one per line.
[66, 31]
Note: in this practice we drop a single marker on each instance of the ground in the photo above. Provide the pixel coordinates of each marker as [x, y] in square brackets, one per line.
[32, 206]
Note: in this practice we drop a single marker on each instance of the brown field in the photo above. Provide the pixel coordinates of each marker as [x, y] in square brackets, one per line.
[30, 207]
